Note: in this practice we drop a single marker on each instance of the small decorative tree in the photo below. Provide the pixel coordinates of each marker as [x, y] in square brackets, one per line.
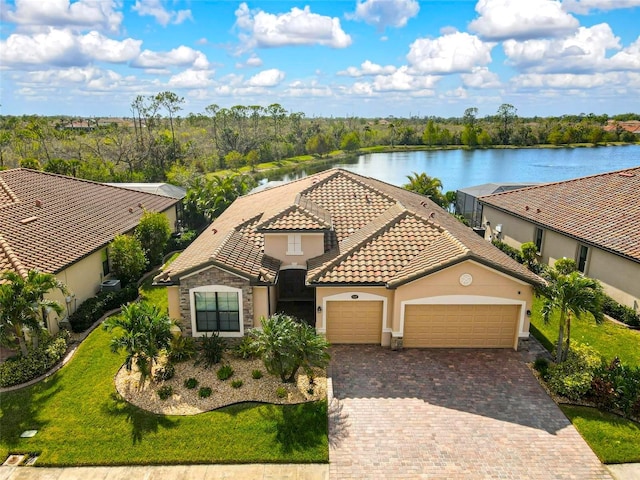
[145, 332]
[127, 258]
[153, 231]
[22, 305]
[285, 345]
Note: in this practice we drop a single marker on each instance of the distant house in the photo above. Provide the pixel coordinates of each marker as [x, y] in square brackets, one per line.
[469, 207]
[63, 225]
[359, 259]
[594, 220]
[631, 126]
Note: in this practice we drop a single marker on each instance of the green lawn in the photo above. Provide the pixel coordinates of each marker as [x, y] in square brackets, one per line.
[608, 338]
[81, 421]
[157, 295]
[613, 439]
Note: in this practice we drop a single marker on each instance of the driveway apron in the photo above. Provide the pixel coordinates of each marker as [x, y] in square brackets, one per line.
[449, 414]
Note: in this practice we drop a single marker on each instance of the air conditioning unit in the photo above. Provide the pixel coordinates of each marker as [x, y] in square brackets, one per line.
[110, 286]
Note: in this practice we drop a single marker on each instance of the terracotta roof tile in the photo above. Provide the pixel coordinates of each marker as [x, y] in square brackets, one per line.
[51, 221]
[600, 210]
[381, 233]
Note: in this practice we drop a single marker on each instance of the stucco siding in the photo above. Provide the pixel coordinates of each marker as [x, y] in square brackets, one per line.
[260, 305]
[485, 282]
[214, 276]
[619, 277]
[275, 245]
[173, 298]
[515, 231]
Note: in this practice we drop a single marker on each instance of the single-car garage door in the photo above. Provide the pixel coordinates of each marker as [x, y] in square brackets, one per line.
[466, 326]
[354, 322]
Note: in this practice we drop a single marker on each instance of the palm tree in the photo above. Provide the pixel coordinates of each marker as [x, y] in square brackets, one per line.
[145, 332]
[425, 185]
[571, 295]
[22, 305]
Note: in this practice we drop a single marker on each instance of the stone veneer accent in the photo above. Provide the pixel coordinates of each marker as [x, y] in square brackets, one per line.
[214, 276]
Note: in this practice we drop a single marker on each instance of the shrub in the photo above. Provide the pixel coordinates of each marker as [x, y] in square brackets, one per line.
[245, 349]
[182, 348]
[237, 383]
[621, 313]
[572, 378]
[224, 372]
[180, 241]
[256, 374]
[204, 392]
[616, 386]
[191, 383]
[211, 349]
[281, 392]
[509, 250]
[93, 308]
[127, 258]
[167, 372]
[37, 362]
[165, 392]
[153, 232]
[542, 366]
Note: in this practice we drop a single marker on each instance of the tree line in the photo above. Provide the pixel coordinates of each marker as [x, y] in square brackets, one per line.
[156, 143]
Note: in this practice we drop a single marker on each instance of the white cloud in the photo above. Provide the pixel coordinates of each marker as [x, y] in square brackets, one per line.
[82, 14]
[456, 93]
[251, 62]
[87, 78]
[297, 27]
[267, 78]
[518, 19]
[585, 51]
[155, 9]
[192, 79]
[457, 52]
[65, 48]
[368, 68]
[628, 58]
[586, 6]
[305, 90]
[402, 80]
[566, 81]
[385, 13]
[178, 57]
[481, 77]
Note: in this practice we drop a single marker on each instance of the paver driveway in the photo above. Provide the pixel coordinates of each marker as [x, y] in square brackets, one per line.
[454, 414]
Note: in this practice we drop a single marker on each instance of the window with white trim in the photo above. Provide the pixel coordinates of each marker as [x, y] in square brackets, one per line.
[216, 308]
[294, 244]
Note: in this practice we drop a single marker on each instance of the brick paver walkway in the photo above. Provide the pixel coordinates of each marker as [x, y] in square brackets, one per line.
[449, 414]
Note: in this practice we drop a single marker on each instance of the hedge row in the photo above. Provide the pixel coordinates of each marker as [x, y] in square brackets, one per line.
[22, 369]
[621, 313]
[93, 308]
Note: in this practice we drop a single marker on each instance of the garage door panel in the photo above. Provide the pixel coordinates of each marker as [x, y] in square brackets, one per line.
[468, 326]
[354, 322]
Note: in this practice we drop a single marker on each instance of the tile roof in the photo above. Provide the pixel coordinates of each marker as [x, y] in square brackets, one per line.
[50, 221]
[375, 233]
[600, 210]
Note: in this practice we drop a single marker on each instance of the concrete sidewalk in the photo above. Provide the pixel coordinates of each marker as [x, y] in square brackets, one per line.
[173, 472]
[625, 471]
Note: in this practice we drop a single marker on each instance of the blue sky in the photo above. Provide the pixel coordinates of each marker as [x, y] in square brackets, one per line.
[366, 58]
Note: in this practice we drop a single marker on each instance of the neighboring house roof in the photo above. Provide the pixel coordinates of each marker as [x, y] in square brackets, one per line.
[164, 189]
[375, 233]
[489, 188]
[632, 126]
[50, 221]
[600, 210]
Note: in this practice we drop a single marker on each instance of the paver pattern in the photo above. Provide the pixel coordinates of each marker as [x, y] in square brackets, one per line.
[449, 414]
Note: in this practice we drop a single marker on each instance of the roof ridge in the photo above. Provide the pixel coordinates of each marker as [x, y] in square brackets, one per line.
[360, 179]
[14, 198]
[393, 219]
[318, 211]
[559, 182]
[18, 266]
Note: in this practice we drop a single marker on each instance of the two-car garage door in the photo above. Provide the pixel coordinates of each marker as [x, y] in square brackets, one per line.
[461, 326]
[430, 326]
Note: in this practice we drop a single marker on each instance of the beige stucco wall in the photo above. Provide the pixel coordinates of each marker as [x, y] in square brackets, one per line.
[487, 283]
[324, 294]
[260, 304]
[172, 216]
[619, 276]
[173, 297]
[275, 245]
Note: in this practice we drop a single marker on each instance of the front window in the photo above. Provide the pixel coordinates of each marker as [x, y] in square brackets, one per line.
[538, 239]
[217, 311]
[294, 244]
[583, 252]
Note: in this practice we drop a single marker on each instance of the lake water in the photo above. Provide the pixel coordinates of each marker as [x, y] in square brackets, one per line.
[466, 168]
